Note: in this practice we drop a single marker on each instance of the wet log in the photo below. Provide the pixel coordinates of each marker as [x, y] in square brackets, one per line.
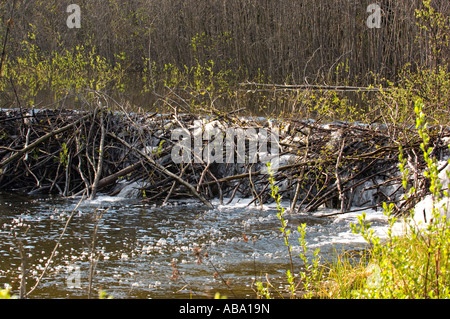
[106, 181]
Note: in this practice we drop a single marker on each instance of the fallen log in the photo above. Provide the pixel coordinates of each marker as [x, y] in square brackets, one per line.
[106, 181]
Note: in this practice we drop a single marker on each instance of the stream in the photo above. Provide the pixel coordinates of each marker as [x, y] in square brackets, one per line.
[180, 250]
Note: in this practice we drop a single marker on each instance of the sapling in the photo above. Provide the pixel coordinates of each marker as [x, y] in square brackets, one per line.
[415, 263]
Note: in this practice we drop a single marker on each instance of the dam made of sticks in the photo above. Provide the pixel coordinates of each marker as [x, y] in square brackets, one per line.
[340, 165]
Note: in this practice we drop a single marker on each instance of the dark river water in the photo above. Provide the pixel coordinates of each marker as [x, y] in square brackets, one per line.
[135, 250]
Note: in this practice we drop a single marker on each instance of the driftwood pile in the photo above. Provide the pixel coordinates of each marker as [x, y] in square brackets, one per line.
[339, 165]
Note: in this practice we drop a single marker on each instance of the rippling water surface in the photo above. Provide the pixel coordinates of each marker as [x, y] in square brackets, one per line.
[138, 248]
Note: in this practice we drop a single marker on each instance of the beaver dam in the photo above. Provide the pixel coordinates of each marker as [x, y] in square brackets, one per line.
[159, 158]
[179, 205]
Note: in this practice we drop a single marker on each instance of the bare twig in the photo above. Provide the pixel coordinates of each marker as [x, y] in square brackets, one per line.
[165, 171]
[41, 140]
[101, 154]
[54, 249]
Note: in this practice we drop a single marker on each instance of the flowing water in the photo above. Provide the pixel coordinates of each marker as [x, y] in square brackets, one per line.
[180, 250]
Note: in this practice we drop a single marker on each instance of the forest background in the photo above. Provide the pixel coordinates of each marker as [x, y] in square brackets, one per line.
[227, 55]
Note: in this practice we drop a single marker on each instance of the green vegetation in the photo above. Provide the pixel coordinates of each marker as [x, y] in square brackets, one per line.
[165, 53]
[6, 294]
[311, 275]
[159, 56]
[65, 72]
[413, 263]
